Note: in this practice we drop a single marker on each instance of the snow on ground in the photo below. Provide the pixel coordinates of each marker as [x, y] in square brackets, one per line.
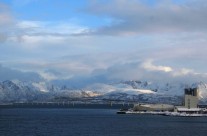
[41, 86]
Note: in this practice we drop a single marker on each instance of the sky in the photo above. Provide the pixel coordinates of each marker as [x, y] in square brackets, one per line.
[104, 40]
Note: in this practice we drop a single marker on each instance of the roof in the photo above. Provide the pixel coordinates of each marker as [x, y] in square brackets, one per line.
[186, 109]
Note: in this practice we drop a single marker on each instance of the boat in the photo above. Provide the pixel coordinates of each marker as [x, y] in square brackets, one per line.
[123, 111]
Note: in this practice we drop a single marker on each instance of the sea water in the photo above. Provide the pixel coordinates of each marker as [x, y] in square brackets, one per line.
[94, 122]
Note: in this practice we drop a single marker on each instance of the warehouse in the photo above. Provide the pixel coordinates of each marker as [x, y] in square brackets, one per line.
[153, 107]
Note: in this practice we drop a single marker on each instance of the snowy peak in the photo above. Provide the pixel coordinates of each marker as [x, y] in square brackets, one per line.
[140, 91]
[135, 84]
[16, 91]
[161, 88]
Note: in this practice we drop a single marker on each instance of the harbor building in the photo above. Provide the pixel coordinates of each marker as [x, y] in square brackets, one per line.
[189, 108]
[153, 107]
[190, 102]
[191, 98]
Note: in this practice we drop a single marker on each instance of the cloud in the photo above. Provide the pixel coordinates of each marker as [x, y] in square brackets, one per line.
[136, 17]
[162, 41]
[149, 66]
[143, 70]
[88, 69]
[48, 76]
[184, 71]
[5, 15]
[35, 33]
[38, 28]
[6, 22]
[31, 34]
[11, 74]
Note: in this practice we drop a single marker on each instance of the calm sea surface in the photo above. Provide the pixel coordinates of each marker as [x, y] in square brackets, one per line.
[94, 122]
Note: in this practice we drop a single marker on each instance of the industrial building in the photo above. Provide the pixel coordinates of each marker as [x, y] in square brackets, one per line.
[190, 107]
[153, 107]
[190, 104]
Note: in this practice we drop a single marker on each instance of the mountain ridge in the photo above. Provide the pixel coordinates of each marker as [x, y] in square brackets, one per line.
[132, 90]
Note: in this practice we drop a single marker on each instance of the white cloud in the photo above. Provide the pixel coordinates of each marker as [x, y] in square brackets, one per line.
[89, 69]
[28, 41]
[183, 71]
[149, 66]
[48, 76]
[171, 38]
[42, 28]
[31, 34]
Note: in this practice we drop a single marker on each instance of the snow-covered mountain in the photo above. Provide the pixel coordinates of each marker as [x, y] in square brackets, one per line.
[134, 91]
[17, 91]
[140, 91]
